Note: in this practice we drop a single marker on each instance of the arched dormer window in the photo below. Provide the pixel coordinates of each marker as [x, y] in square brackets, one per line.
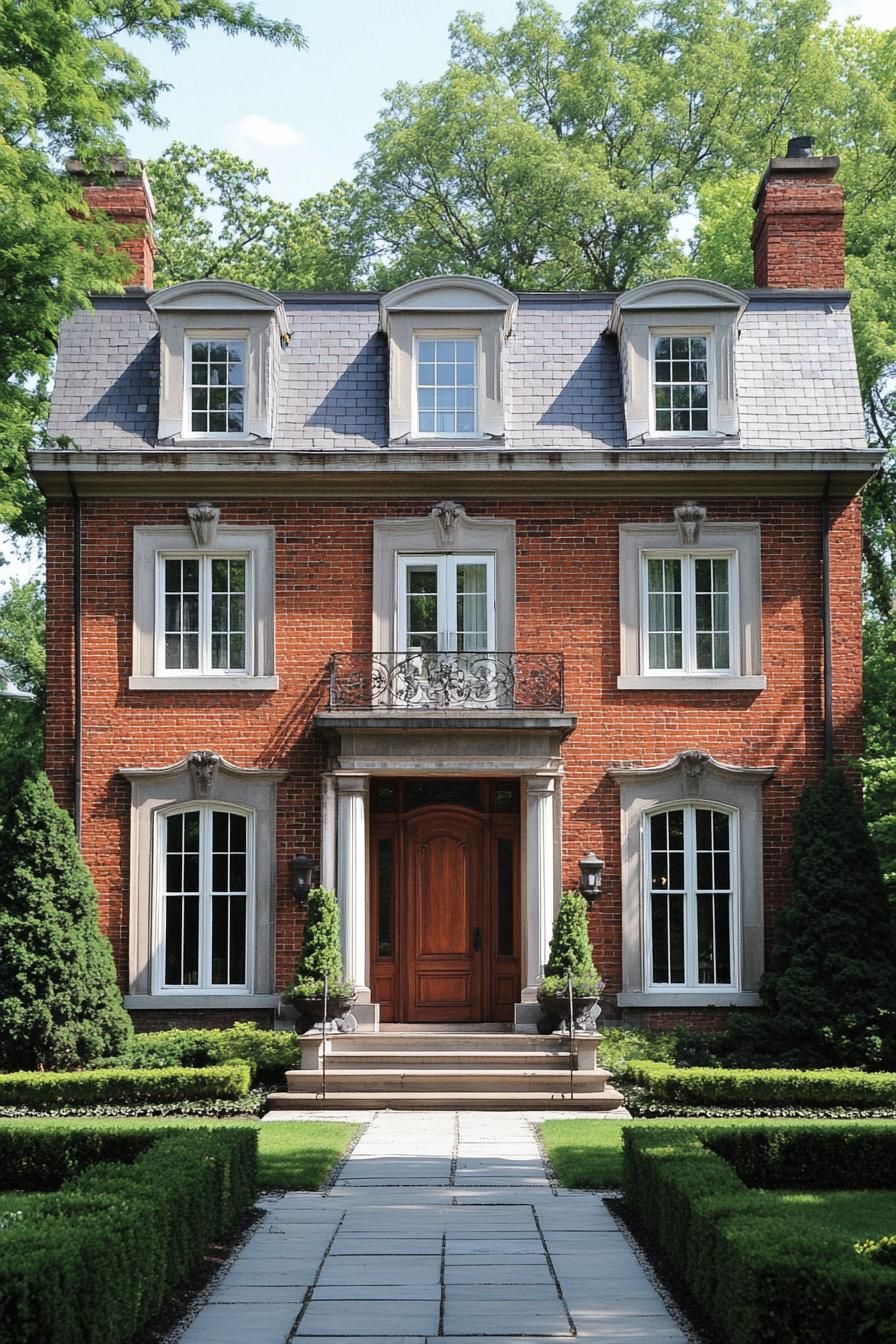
[677, 344]
[446, 359]
[219, 367]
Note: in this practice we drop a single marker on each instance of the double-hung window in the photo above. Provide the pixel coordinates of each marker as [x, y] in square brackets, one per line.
[205, 881]
[216, 390]
[205, 616]
[689, 606]
[446, 385]
[691, 896]
[681, 384]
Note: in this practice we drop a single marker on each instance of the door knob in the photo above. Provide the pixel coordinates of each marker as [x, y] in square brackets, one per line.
[477, 941]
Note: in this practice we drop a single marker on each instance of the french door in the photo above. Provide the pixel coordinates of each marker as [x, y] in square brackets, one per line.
[445, 604]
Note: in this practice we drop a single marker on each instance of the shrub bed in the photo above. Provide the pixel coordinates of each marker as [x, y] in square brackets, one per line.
[92, 1262]
[128, 1087]
[651, 1087]
[268, 1053]
[763, 1272]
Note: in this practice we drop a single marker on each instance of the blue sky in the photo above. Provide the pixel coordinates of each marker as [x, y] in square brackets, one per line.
[304, 115]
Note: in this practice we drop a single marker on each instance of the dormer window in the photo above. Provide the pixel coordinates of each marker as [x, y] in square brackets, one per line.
[447, 385]
[447, 338]
[677, 345]
[680, 384]
[217, 386]
[220, 347]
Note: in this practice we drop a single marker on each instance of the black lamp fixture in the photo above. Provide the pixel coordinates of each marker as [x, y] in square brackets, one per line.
[301, 869]
[591, 871]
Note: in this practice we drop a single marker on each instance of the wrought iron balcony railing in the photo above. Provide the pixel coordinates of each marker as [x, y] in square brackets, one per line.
[446, 681]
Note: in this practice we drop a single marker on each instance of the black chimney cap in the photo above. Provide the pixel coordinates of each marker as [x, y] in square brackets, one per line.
[800, 146]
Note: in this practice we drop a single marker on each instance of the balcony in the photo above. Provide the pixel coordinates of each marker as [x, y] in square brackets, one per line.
[470, 682]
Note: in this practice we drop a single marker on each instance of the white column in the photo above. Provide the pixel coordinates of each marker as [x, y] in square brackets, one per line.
[540, 868]
[351, 879]
[328, 832]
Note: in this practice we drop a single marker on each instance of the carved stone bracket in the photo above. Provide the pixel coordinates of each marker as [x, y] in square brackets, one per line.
[204, 523]
[689, 516]
[694, 763]
[204, 769]
[446, 514]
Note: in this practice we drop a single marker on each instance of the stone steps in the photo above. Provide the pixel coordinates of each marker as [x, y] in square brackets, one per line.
[302, 1081]
[543, 1060]
[608, 1099]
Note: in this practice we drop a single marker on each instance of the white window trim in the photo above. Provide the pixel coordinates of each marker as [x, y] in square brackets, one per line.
[739, 539]
[258, 544]
[435, 334]
[205, 668]
[205, 985]
[689, 667]
[711, 431]
[213, 334]
[692, 984]
[446, 589]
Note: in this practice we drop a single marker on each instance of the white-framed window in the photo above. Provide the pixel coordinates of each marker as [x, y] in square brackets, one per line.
[445, 603]
[215, 391]
[681, 387]
[204, 899]
[204, 613]
[446, 385]
[689, 612]
[691, 897]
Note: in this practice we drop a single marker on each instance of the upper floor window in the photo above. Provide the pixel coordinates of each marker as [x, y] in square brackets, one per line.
[205, 882]
[691, 891]
[446, 385]
[217, 386]
[681, 384]
[690, 612]
[204, 613]
[446, 603]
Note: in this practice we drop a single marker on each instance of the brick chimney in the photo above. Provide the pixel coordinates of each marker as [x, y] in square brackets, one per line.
[798, 230]
[122, 190]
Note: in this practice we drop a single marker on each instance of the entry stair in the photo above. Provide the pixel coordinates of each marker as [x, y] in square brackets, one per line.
[419, 1068]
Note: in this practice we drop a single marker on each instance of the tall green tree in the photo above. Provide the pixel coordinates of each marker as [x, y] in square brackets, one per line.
[70, 86]
[215, 218]
[23, 665]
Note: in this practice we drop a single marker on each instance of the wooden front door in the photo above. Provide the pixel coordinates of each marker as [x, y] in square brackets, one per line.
[443, 905]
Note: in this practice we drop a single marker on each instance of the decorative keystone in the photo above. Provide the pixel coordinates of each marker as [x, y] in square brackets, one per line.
[446, 514]
[689, 516]
[204, 523]
[204, 769]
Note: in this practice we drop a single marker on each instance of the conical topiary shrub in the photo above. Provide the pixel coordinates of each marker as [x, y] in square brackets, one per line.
[570, 949]
[321, 954]
[59, 1002]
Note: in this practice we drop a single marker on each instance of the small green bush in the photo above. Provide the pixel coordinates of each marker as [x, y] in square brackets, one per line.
[882, 1252]
[646, 1082]
[761, 1273]
[47, 1091]
[570, 950]
[92, 1262]
[321, 953]
[620, 1045]
[269, 1053]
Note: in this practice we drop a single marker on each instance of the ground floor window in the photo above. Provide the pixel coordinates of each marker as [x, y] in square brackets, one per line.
[205, 903]
[690, 896]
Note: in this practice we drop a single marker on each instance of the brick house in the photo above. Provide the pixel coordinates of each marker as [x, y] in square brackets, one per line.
[443, 589]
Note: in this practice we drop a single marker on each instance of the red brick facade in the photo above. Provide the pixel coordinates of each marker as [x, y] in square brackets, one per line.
[798, 229]
[567, 601]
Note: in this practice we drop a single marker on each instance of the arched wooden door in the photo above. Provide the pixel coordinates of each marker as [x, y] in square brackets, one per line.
[444, 882]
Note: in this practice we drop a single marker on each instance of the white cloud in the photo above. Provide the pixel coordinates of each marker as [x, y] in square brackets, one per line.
[255, 132]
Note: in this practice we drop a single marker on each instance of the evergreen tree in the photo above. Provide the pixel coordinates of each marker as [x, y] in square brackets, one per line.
[321, 948]
[59, 1003]
[832, 992]
[571, 946]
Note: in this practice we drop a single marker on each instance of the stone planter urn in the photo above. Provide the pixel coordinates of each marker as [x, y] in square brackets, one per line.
[555, 1011]
[310, 1012]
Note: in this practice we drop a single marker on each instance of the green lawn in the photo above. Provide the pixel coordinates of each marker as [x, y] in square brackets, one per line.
[587, 1154]
[292, 1154]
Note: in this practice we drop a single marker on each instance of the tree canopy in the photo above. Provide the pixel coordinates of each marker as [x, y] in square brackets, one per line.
[68, 86]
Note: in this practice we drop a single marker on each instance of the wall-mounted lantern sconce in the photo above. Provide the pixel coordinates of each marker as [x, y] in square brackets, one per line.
[301, 870]
[591, 870]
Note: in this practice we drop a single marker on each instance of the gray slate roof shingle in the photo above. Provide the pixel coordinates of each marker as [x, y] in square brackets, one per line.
[796, 376]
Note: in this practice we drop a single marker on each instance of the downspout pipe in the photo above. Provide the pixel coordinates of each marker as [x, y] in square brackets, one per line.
[826, 621]
[77, 744]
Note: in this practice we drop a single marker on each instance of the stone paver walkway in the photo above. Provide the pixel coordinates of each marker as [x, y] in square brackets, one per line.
[441, 1225]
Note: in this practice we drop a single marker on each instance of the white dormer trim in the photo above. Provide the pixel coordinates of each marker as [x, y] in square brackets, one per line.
[445, 306]
[228, 310]
[678, 306]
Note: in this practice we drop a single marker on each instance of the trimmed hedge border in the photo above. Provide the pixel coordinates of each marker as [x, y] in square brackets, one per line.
[754, 1269]
[92, 1262]
[650, 1086]
[268, 1053]
[123, 1087]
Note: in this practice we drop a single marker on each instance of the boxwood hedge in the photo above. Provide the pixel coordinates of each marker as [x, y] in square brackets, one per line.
[268, 1053]
[93, 1261]
[125, 1087]
[649, 1085]
[760, 1274]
